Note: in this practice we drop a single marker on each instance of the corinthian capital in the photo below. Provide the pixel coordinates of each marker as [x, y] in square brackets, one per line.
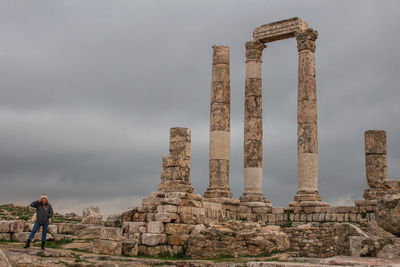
[254, 50]
[306, 40]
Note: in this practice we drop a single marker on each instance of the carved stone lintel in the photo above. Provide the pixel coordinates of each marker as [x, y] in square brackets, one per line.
[306, 40]
[254, 50]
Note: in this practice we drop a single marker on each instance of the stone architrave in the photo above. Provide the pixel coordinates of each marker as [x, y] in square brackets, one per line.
[219, 147]
[253, 125]
[175, 174]
[307, 128]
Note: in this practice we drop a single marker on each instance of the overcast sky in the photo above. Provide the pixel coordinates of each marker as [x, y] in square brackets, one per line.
[89, 90]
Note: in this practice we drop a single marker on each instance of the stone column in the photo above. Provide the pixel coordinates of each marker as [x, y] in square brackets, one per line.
[375, 163]
[219, 125]
[175, 174]
[253, 125]
[307, 129]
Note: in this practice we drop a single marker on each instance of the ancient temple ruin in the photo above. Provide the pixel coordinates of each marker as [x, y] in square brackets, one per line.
[176, 221]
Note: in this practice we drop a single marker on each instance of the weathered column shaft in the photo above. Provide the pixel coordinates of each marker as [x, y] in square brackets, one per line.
[307, 127]
[175, 174]
[375, 158]
[307, 136]
[253, 125]
[219, 149]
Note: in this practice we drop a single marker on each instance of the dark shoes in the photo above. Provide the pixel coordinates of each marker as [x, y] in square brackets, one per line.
[28, 243]
[43, 243]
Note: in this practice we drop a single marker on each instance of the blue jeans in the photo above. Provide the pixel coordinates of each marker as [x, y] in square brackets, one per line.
[36, 227]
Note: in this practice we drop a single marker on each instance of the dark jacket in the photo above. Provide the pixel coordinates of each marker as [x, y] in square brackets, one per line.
[42, 214]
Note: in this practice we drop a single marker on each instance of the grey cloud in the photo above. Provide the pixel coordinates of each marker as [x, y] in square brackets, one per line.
[89, 90]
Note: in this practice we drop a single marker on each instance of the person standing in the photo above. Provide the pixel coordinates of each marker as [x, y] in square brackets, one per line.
[44, 212]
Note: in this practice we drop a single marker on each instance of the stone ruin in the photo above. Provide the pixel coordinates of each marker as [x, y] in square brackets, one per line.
[176, 221]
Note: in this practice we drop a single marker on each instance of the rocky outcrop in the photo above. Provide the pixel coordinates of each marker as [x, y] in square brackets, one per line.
[92, 215]
[235, 238]
[388, 213]
[387, 248]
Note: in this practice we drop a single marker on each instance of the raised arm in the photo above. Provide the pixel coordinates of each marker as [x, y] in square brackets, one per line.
[35, 204]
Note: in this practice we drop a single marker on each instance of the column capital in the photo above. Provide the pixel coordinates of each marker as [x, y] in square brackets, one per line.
[254, 50]
[306, 40]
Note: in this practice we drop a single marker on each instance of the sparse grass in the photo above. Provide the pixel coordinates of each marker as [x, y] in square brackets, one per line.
[78, 258]
[223, 258]
[41, 254]
[162, 257]
[286, 225]
[55, 243]
[81, 250]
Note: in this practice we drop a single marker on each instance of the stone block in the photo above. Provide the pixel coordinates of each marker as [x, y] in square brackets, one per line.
[5, 236]
[253, 68]
[375, 142]
[107, 247]
[137, 227]
[178, 240]
[376, 169]
[153, 239]
[253, 153]
[88, 231]
[253, 107]
[180, 195]
[253, 129]
[130, 248]
[188, 218]
[52, 229]
[155, 227]
[167, 208]
[307, 111]
[58, 237]
[391, 186]
[220, 73]
[180, 148]
[185, 210]
[4, 226]
[176, 161]
[307, 89]
[111, 233]
[166, 217]
[151, 201]
[220, 117]
[92, 215]
[66, 228]
[172, 201]
[179, 134]
[219, 173]
[253, 87]
[307, 138]
[220, 92]
[220, 54]
[175, 173]
[17, 226]
[177, 228]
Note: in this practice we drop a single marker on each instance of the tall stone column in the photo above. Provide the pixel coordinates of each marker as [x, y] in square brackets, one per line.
[253, 125]
[175, 174]
[219, 125]
[307, 128]
[375, 163]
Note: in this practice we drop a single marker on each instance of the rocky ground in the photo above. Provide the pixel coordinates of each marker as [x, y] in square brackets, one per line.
[14, 255]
